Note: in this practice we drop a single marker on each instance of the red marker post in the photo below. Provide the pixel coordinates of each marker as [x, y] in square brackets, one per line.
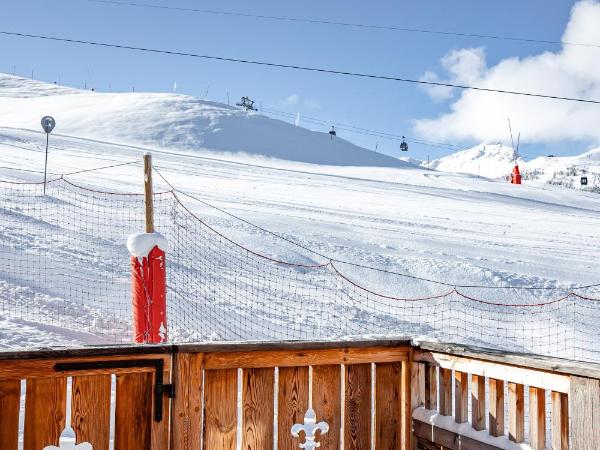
[148, 274]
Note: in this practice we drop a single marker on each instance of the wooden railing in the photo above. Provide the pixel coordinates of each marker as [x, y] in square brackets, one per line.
[371, 394]
[443, 381]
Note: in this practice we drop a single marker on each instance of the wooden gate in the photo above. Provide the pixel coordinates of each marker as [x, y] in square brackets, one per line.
[90, 378]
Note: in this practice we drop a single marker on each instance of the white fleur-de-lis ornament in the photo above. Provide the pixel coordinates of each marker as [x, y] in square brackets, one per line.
[64, 444]
[309, 428]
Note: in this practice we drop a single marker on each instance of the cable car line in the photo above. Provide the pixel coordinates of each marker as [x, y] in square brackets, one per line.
[298, 67]
[346, 24]
[366, 131]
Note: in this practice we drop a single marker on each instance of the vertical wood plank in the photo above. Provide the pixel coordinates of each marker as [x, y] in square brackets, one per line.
[560, 421]
[90, 410]
[292, 403]
[10, 397]
[186, 407]
[445, 376]
[516, 412]
[537, 418]
[584, 409]
[160, 430]
[388, 406]
[258, 408]
[327, 402]
[478, 402]
[461, 396]
[496, 414]
[406, 401]
[417, 385]
[45, 404]
[357, 417]
[431, 387]
[220, 409]
[133, 411]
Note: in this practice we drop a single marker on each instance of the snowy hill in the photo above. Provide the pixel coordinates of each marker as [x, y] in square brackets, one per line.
[173, 121]
[566, 171]
[487, 160]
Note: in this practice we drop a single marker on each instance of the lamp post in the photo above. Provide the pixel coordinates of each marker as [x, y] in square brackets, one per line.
[48, 124]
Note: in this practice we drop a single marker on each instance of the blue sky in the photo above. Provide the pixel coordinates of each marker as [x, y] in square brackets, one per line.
[386, 106]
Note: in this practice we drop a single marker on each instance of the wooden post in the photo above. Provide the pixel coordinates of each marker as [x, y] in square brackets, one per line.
[148, 200]
[560, 421]
[445, 380]
[461, 396]
[478, 402]
[516, 415]
[537, 418]
[584, 402]
[431, 387]
[496, 414]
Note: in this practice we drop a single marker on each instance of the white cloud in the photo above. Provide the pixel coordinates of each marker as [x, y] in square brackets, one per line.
[573, 71]
[291, 100]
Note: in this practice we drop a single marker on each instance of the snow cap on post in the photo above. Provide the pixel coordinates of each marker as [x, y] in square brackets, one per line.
[141, 244]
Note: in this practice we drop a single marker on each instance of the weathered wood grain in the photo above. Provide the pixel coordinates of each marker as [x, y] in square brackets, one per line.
[160, 430]
[258, 408]
[584, 409]
[431, 386]
[516, 412]
[417, 383]
[45, 409]
[478, 402]
[90, 410]
[388, 406]
[461, 397]
[10, 396]
[357, 409]
[133, 411]
[445, 388]
[186, 407]
[294, 358]
[537, 418]
[327, 402]
[520, 375]
[44, 368]
[560, 421]
[526, 360]
[406, 400]
[292, 403]
[220, 409]
[496, 413]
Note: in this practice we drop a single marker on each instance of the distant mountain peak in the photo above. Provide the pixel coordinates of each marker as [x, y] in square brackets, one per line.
[487, 160]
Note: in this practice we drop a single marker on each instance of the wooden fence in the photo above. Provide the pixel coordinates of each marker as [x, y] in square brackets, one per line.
[371, 394]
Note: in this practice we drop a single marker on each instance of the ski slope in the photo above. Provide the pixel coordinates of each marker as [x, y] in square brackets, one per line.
[390, 215]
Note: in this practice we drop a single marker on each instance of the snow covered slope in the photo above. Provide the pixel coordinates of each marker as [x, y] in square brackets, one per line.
[486, 160]
[566, 171]
[173, 121]
[444, 226]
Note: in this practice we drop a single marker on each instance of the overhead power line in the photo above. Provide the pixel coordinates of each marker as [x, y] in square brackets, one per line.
[298, 67]
[346, 24]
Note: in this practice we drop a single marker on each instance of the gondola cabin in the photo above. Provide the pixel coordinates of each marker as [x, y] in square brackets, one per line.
[403, 145]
